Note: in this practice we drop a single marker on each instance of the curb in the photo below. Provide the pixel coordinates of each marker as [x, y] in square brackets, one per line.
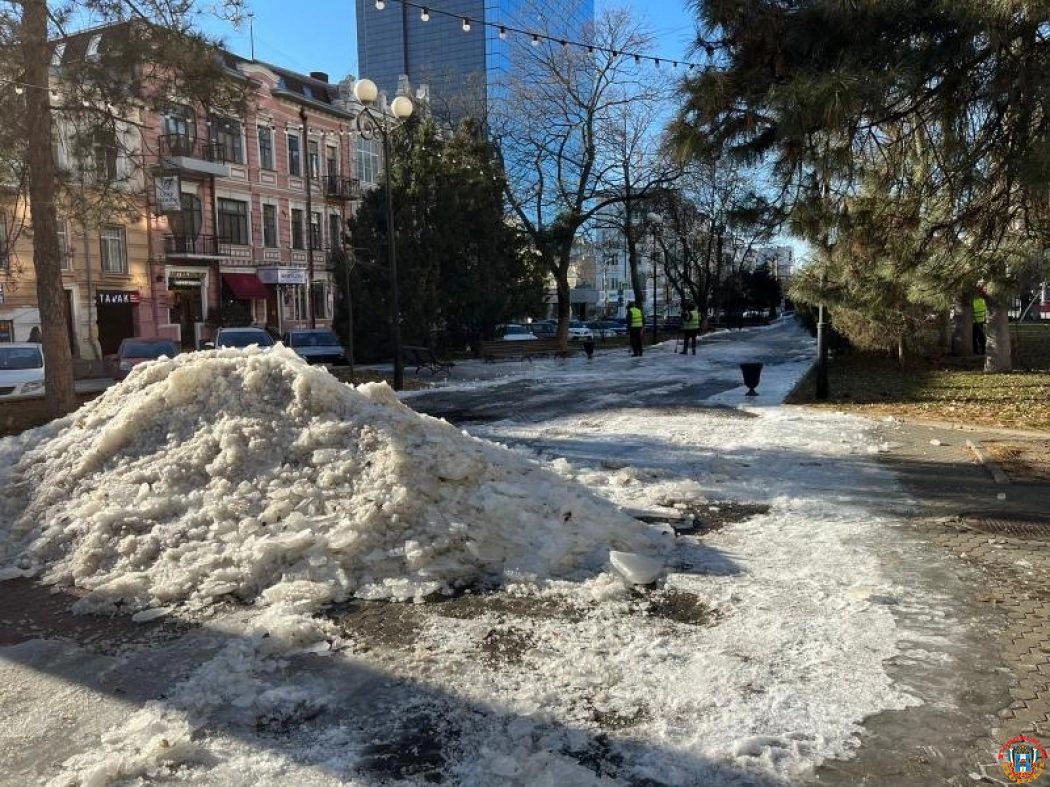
[983, 458]
[956, 426]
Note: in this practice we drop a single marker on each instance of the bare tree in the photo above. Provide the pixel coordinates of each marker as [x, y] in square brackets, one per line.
[718, 213]
[573, 124]
[92, 110]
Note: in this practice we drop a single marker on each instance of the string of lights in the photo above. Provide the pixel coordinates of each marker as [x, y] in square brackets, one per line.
[535, 38]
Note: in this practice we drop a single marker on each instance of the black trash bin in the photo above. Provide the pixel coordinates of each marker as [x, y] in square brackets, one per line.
[752, 373]
[588, 347]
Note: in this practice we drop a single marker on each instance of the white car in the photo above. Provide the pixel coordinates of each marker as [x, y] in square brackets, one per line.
[578, 331]
[517, 333]
[21, 370]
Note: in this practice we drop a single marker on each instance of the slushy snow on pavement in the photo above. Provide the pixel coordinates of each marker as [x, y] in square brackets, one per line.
[244, 493]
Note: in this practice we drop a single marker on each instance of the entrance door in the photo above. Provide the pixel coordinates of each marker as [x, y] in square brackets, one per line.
[186, 310]
[116, 321]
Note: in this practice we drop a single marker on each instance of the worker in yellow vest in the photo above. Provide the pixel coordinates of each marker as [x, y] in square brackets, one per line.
[635, 324]
[690, 327]
[980, 319]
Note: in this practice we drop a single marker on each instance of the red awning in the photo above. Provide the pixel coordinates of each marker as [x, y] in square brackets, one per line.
[245, 285]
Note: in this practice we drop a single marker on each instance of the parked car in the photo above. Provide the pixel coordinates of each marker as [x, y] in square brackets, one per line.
[606, 328]
[241, 337]
[578, 331]
[136, 350]
[516, 333]
[316, 345]
[21, 370]
[544, 329]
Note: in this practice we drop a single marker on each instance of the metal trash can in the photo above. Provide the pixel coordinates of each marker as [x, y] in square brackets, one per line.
[752, 374]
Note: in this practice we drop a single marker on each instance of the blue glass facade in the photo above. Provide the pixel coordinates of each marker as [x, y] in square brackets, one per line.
[453, 63]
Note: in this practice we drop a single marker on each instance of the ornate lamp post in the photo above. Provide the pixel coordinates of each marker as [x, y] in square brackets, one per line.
[374, 122]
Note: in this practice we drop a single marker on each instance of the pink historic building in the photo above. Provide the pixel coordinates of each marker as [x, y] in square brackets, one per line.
[246, 213]
[232, 218]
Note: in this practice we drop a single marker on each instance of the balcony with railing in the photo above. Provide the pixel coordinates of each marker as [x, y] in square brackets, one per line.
[337, 187]
[195, 246]
[193, 155]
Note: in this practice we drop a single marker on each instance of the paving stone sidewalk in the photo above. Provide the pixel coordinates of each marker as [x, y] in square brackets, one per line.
[984, 539]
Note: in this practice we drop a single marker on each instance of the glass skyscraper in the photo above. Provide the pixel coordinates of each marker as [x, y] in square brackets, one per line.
[460, 67]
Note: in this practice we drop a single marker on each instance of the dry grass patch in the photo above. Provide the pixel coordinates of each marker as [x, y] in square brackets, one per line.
[1021, 460]
[944, 389]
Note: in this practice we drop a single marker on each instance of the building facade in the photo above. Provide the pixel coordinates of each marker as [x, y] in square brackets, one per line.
[226, 219]
[248, 213]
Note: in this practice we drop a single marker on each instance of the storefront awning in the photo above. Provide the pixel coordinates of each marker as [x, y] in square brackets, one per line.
[245, 285]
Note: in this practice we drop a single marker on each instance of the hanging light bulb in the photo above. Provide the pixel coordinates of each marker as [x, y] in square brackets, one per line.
[380, 5]
[657, 62]
[424, 14]
[637, 58]
[466, 25]
[502, 33]
[535, 40]
[19, 90]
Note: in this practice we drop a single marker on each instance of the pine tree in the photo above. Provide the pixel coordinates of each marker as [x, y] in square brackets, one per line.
[945, 97]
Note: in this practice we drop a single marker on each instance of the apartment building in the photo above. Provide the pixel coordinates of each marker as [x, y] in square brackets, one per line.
[235, 217]
[249, 212]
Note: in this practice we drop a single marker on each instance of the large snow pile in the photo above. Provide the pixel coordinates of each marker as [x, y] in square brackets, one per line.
[253, 475]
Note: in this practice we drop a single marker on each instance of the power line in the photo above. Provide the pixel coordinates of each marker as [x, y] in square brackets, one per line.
[425, 12]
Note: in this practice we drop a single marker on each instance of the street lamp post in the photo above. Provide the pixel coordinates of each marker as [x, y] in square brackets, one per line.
[655, 221]
[372, 122]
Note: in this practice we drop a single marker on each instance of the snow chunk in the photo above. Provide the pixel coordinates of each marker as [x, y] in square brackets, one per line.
[636, 569]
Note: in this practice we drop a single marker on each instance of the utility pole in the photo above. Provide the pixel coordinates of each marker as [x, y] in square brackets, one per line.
[822, 345]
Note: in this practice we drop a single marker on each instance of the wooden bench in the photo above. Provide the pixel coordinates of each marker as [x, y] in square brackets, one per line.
[424, 358]
[523, 351]
[542, 347]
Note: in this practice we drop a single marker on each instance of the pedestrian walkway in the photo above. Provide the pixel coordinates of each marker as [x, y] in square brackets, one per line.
[988, 536]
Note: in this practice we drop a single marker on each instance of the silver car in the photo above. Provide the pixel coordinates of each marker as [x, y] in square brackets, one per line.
[21, 370]
[316, 345]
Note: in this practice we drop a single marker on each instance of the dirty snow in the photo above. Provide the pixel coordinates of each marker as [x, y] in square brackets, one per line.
[243, 491]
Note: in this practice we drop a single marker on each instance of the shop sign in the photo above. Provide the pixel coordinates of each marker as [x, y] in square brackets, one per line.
[168, 193]
[195, 277]
[115, 298]
[281, 275]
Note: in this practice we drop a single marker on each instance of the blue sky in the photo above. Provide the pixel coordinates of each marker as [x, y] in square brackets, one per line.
[321, 35]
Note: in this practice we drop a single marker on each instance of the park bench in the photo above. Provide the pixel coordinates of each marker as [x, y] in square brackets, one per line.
[522, 351]
[424, 358]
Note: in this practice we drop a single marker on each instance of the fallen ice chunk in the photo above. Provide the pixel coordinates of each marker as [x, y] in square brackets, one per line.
[147, 615]
[636, 569]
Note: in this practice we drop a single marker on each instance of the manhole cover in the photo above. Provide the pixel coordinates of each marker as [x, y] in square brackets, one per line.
[1025, 527]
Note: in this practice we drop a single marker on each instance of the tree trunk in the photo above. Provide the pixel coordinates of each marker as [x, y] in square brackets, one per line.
[944, 333]
[637, 285]
[51, 297]
[962, 329]
[997, 357]
[564, 305]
